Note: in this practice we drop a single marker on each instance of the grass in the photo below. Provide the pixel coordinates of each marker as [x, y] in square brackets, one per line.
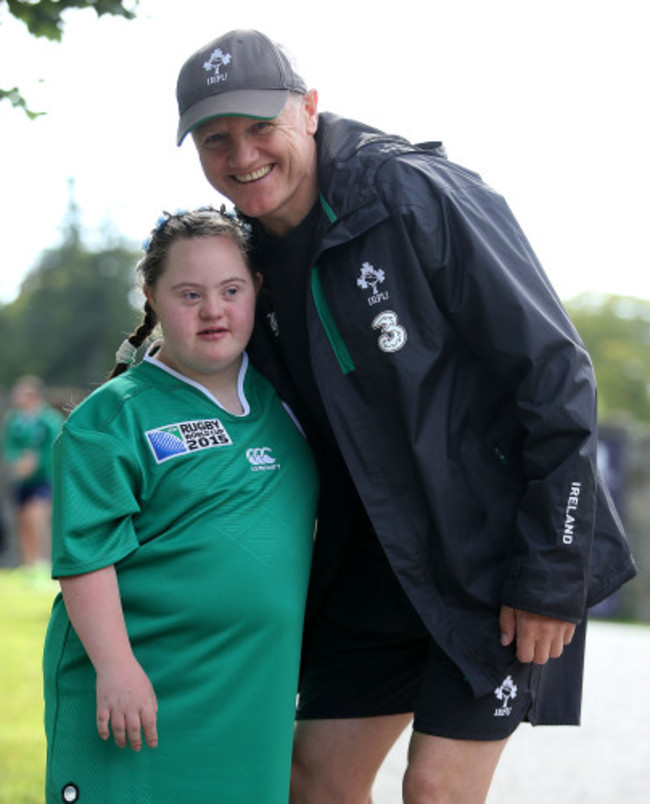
[24, 616]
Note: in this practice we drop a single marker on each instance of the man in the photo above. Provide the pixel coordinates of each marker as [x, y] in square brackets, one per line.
[463, 529]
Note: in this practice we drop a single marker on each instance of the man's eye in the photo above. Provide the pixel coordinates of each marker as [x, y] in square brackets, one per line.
[213, 139]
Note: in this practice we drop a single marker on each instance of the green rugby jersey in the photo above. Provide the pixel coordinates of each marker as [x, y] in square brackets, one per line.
[208, 518]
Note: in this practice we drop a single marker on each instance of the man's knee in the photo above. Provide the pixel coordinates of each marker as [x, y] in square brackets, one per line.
[446, 771]
[313, 784]
[299, 781]
[426, 786]
[336, 761]
[314, 778]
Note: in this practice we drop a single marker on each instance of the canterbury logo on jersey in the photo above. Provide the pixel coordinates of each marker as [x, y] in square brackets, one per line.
[260, 459]
[179, 439]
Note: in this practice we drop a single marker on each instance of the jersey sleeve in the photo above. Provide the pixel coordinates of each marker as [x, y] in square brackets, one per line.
[52, 423]
[95, 496]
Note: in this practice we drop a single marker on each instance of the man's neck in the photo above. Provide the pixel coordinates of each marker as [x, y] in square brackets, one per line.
[281, 225]
[294, 211]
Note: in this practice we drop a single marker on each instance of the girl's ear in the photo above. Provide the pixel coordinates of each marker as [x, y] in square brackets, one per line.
[258, 279]
[149, 297]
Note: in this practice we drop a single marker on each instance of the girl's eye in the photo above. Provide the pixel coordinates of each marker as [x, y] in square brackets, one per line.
[190, 295]
[230, 291]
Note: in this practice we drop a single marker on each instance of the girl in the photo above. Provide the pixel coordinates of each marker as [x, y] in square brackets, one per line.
[184, 505]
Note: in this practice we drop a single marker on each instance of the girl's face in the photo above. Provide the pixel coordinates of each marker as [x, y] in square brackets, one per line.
[205, 303]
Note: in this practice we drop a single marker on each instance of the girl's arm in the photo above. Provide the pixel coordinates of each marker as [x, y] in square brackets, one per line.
[125, 698]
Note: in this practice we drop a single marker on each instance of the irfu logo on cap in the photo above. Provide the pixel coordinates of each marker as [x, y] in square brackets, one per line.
[217, 60]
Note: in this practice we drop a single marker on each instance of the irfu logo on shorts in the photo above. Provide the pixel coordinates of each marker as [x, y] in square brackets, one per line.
[505, 692]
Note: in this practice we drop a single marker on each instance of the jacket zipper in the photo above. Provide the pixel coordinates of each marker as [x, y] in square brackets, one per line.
[339, 348]
[343, 357]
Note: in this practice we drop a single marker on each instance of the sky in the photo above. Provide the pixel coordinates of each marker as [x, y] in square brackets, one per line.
[545, 99]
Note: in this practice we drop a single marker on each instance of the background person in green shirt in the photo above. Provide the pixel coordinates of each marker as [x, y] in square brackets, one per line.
[29, 429]
[184, 504]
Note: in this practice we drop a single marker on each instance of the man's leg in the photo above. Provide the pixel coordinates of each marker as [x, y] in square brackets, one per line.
[444, 771]
[336, 761]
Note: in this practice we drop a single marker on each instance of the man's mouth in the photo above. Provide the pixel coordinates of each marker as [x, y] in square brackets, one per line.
[244, 178]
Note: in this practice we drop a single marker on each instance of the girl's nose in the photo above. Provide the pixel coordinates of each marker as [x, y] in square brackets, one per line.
[212, 307]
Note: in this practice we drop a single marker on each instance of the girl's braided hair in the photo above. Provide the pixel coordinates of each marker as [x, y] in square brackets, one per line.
[203, 222]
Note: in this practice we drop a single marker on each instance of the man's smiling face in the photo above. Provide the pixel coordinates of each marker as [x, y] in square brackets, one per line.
[267, 168]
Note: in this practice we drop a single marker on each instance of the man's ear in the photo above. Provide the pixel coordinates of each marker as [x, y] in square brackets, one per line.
[310, 104]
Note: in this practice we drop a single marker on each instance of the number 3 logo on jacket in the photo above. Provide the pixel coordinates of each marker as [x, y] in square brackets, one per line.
[393, 336]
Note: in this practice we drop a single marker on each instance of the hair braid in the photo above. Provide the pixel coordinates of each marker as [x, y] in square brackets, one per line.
[137, 338]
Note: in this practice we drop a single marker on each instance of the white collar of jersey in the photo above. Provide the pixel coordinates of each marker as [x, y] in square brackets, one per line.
[240, 382]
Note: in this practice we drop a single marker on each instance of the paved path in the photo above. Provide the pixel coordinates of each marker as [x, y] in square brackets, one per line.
[605, 761]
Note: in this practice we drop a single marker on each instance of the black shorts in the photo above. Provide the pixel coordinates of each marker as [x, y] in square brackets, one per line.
[26, 492]
[368, 654]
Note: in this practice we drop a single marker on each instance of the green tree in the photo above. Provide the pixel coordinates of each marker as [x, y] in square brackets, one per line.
[45, 18]
[72, 312]
[616, 332]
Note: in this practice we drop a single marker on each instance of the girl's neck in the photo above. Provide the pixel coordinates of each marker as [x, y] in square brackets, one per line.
[223, 385]
[228, 398]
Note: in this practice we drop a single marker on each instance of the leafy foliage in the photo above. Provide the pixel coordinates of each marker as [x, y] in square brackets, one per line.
[616, 332]
[44, 18]
[71, 315]
[18, 102]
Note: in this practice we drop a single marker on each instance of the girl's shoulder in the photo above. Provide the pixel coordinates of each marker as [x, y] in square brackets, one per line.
[114, 398]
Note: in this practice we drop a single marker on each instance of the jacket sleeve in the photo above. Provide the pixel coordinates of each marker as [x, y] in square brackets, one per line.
[494, 293]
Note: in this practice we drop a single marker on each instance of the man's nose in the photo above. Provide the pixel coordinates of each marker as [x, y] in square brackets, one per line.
[243, 152]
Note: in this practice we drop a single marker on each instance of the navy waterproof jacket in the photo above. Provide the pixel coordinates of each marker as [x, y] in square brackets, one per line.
[460, 394]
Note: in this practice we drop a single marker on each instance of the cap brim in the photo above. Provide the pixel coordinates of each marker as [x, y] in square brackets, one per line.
[264, 104]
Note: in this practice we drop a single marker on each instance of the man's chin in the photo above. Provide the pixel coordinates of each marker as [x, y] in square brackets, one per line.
[252, 209]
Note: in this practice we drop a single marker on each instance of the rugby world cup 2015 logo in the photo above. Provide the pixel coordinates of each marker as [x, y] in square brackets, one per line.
[182, 438]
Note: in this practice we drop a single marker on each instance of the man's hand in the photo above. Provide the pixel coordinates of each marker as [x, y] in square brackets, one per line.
[538, 638]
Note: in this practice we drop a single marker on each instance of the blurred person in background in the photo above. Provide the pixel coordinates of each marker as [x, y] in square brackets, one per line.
[29, 429]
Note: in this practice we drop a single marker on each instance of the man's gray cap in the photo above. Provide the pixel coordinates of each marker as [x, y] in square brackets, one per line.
[241, 73]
